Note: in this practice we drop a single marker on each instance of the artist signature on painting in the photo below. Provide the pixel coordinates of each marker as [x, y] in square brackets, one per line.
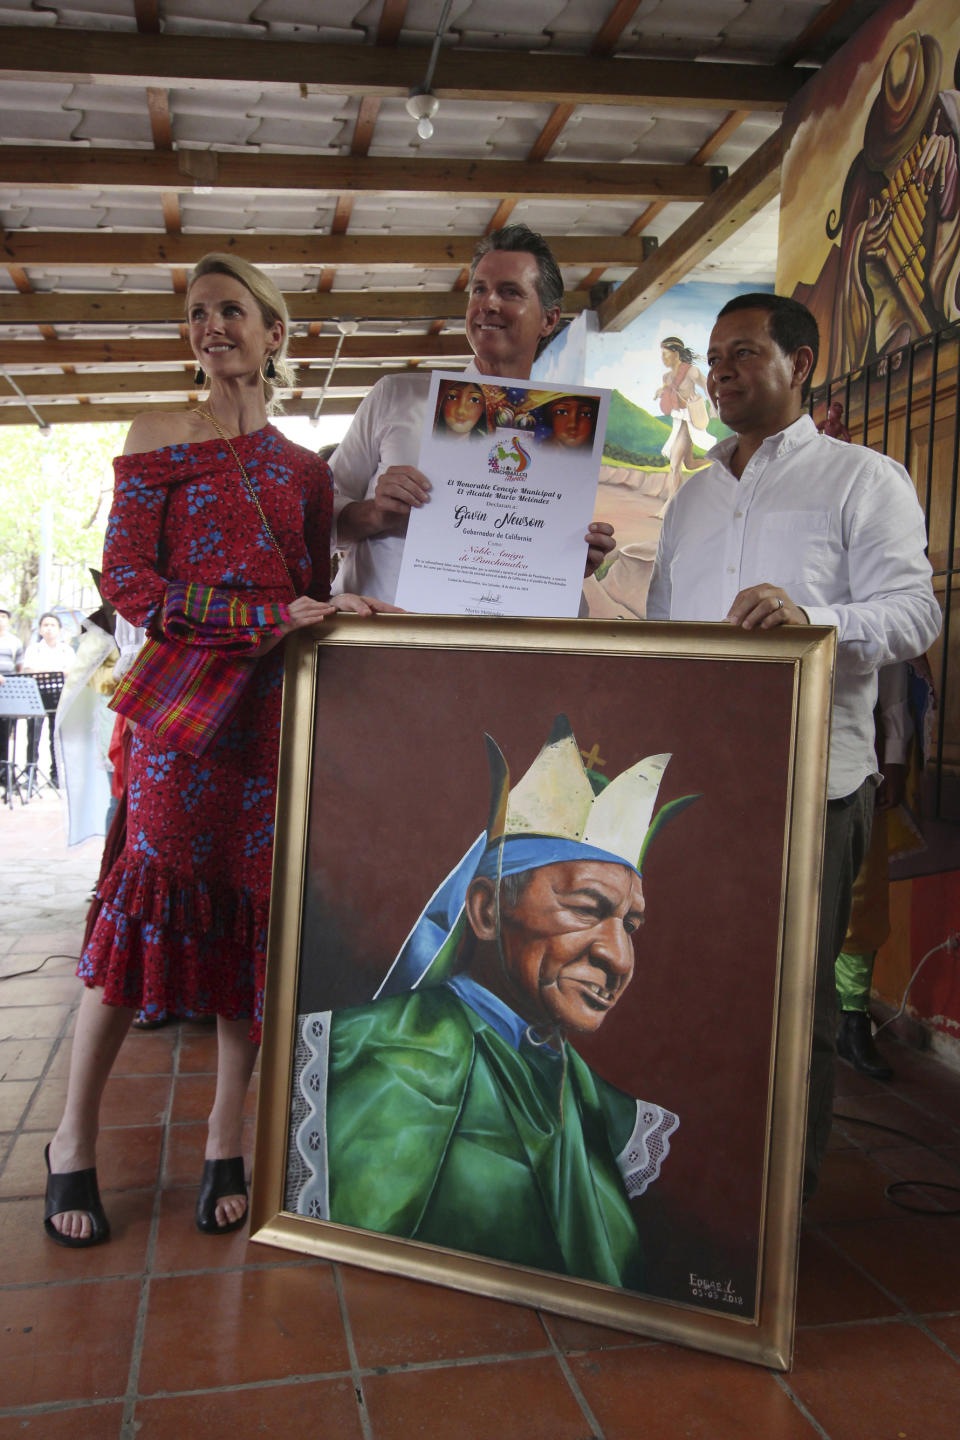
[718, 1292]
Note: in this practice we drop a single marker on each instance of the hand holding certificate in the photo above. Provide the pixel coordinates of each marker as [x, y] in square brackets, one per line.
[514, 471]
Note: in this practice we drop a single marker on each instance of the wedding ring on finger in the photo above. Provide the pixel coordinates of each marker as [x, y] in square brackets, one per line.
[779, 603]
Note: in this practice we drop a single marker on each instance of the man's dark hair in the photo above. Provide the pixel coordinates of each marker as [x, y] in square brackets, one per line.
[791, 325]
[521, 237]
[512, 887]
[49, 615]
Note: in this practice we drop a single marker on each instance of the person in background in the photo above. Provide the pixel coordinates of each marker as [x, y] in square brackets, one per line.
[49, 653]
[11, 653]
[869, 926]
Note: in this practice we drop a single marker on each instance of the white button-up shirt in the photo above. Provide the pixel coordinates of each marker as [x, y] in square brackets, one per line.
[386, 430]
[835, 525]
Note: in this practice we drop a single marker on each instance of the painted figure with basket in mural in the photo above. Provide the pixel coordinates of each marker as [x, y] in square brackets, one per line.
[684, 400]
[898, 221]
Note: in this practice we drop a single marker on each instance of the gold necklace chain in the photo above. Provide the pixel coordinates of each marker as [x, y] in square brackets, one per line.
[208, 415]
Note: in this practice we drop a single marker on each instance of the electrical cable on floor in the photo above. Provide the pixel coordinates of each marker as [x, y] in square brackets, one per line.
[898, 1185]
[35, 970]
[952, 942]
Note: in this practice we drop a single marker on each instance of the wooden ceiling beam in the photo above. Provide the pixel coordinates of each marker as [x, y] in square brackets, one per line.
[94, 307]
[709, 148]
[392, 16]
[100, 250]
[22, 282]
[170, 203]
[52, 166]
[366, 124]
[147, 13]
[820, 25]
[80, 414]
[50, 54]
[550, 133]
[358, 378]
[749, 188]
[161, 124]
[608, 36]
[129, 350]
[720, 136]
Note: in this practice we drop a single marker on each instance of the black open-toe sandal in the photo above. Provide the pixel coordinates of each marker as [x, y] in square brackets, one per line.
[220, 1177]
[74, 1190]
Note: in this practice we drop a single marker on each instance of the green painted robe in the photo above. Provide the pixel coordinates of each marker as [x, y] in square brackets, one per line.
[424, 1122]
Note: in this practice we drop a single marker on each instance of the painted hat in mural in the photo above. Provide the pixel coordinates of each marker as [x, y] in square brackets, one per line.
[910, 83]
[557, 811]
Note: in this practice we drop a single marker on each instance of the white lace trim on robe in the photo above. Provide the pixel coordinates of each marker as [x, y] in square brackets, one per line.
[640, 1159]
[313, 1198]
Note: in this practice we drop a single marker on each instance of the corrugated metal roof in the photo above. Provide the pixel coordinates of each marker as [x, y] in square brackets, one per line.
[290, 112]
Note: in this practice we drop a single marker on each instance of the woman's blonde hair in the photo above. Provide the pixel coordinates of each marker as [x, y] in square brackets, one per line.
[272, 307]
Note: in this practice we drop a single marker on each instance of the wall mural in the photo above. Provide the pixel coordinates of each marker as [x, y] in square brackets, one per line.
[870, 198]
[661, 423]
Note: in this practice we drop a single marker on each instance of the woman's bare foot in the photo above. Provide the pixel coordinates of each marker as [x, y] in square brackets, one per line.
[224, 1144]
[63, 1158]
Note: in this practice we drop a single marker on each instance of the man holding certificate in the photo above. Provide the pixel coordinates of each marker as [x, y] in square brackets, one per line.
[515, 296]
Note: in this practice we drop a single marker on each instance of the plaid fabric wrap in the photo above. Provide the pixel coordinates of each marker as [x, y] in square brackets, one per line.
[183, 694]
[185, 683]
[202, 615]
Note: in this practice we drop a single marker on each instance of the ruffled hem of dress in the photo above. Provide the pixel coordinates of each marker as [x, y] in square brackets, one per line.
[155, 896]
[159, 944]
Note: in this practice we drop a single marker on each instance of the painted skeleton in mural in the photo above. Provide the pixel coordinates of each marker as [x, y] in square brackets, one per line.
[899, 218]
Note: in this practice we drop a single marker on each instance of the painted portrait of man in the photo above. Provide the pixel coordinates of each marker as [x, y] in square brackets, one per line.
[452, 1108]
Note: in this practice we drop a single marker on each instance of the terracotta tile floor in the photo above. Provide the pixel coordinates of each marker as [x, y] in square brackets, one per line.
[165, 1332]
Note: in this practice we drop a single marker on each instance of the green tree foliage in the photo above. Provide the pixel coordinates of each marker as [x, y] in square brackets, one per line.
[71, 469]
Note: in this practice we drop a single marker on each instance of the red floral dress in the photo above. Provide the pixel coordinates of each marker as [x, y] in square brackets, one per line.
[183, 920]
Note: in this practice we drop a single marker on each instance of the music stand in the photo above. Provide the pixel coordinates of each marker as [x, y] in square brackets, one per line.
[20, 699]
[50, 685]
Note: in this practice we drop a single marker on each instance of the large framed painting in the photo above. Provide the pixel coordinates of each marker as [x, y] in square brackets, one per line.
[541, 964]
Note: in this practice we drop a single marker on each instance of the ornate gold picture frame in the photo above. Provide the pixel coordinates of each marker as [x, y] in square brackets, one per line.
[465, 1145]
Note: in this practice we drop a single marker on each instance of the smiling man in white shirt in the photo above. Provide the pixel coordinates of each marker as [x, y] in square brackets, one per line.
[516, 291]
[787, 526]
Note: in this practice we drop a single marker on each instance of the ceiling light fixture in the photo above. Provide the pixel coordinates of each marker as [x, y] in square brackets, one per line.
[421, 106]
[421, 103]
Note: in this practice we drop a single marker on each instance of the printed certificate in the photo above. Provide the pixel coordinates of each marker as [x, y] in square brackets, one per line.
[514, 469]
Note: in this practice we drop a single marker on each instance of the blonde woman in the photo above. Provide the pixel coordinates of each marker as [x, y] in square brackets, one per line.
[214, 498]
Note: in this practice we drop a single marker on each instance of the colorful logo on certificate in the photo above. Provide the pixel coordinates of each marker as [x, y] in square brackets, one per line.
[508, 457]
